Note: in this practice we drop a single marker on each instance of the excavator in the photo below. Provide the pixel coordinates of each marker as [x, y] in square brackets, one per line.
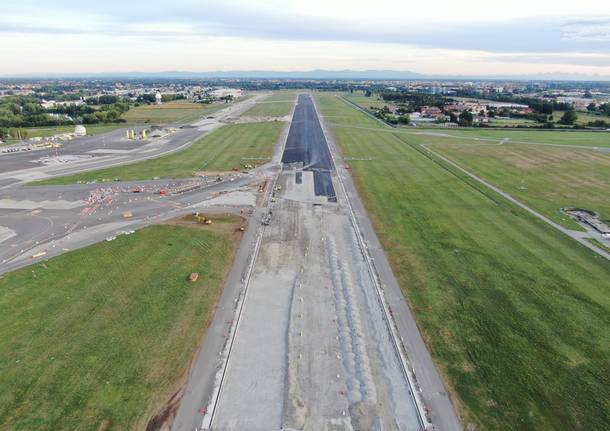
[202, 219]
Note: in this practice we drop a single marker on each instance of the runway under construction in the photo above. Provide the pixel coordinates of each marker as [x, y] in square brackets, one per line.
[311, 346]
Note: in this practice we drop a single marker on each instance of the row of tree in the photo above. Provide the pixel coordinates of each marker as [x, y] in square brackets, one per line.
[27, 111]
[13, 132]
[414, 101]
[602, 109]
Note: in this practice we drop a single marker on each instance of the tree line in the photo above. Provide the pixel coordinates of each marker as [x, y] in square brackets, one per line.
[27, 111]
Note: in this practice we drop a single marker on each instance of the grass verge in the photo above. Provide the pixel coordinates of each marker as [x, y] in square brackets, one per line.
[221, 150]
[279, 104]
[103, 336]
[546, 178]
[515, 314]
[170, 112]
[572, 138]
[599, 244]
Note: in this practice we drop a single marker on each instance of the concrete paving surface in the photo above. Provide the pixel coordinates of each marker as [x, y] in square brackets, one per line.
[304, 336]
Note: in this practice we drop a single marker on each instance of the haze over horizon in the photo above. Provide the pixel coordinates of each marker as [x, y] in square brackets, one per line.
[205, 36]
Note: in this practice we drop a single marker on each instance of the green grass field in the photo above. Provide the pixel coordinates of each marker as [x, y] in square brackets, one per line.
[543, 177]
[221, 150]
[516, 315]
[278, 104]
[338, 112]
[364, 102]
[512, 122]
[171, 112]
[577, 138]
[583, 117]
[104, 335]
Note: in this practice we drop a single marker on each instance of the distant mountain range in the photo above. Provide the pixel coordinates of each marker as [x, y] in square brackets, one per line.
[318, 74]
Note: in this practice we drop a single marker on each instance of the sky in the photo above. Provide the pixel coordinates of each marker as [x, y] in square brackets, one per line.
[473, 37]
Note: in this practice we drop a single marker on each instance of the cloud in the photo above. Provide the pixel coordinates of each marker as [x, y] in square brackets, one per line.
[189, 18]
[592, 30]
[576, 59]
[482, 38]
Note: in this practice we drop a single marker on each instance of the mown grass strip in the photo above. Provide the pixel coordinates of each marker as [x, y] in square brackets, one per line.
[221, 150]
[104, 334]
[516, 314]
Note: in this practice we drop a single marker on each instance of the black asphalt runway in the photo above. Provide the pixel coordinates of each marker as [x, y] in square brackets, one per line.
[306, 144]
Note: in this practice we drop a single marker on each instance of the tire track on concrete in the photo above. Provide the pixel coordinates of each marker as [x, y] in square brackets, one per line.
[443, 411]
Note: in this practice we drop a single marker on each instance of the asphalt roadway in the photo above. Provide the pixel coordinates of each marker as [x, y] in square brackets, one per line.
[306, 146]
[45, 221]
[110, 149]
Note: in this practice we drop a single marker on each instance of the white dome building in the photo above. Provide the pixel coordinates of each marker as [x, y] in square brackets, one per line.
[80, 130]
[158, 98]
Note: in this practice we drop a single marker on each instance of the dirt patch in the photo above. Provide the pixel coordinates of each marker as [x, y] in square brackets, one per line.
[163, 420]
[221, 174]
[225, 224]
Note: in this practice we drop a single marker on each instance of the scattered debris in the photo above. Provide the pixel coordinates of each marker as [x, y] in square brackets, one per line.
[62, 160]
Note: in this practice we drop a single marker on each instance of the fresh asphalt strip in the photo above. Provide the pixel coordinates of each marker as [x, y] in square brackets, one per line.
[306, 145]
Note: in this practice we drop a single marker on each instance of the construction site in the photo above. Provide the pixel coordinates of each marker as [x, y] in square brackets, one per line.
[304, 335]
[311, 295]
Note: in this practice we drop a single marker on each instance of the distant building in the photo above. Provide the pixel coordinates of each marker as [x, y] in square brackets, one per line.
[50, 104]
[224, 92]
[430, 111]
[454, 107]
[158, 98]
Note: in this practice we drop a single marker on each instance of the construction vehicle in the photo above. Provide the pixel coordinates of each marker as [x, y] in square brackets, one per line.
[202, 219]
